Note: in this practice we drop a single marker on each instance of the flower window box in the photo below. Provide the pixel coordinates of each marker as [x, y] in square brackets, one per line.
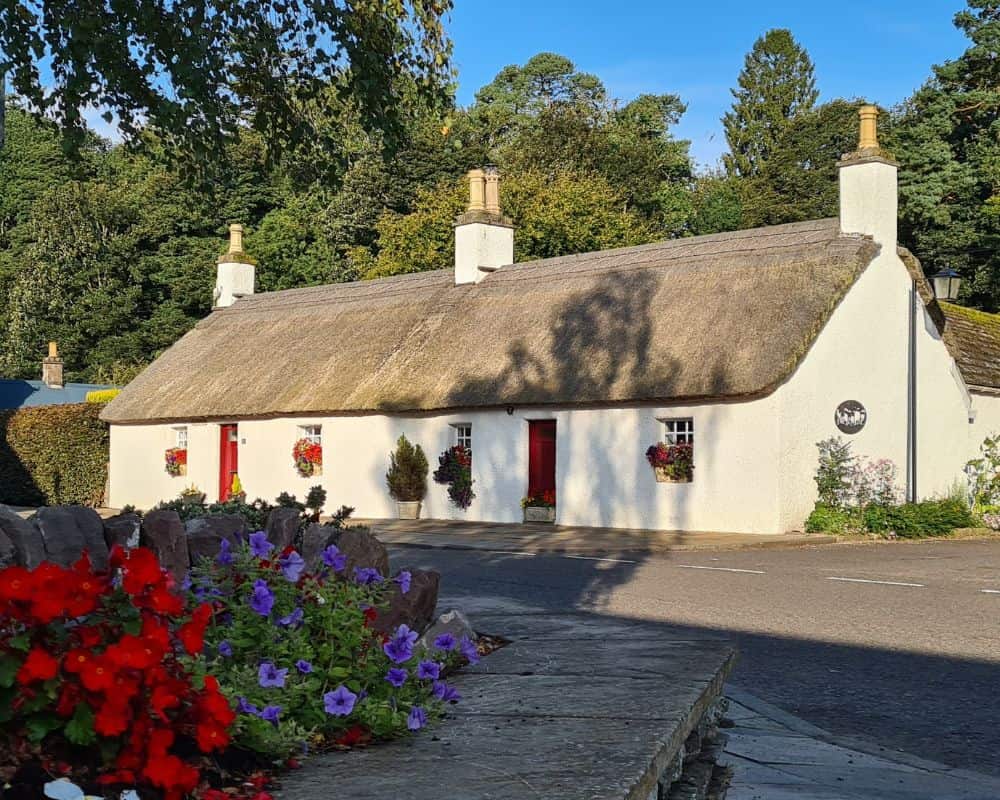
[671, 463]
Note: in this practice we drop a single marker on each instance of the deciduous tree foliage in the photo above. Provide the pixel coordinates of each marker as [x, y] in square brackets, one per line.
[776, 83]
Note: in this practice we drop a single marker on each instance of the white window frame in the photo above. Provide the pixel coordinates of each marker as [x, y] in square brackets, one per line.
[678, 430]
[463, 434]
[314, 433]
[181, 437]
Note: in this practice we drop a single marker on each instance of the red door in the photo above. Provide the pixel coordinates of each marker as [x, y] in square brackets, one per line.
[541, 456]
[228, 458]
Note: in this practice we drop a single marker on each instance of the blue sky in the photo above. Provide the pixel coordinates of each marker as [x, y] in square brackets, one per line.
[880, 51]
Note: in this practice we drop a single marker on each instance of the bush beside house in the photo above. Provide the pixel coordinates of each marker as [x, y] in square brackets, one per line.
[53, 454]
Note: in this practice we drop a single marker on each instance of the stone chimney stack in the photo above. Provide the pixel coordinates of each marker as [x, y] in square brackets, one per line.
[484, 238]
[868, 191]
[235, 273]
[52, 368]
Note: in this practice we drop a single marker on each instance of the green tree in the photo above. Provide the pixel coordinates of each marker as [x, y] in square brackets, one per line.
[198, 71]
[947, 138]
[775, 84]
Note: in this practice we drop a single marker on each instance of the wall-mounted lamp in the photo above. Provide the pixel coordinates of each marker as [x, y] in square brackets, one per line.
[946, 284]
[510, 411]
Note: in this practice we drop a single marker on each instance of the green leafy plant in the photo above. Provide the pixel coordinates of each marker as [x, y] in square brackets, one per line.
[827, 519]
[407, 475]
[918, 520]
[834, 472]
[983, 475]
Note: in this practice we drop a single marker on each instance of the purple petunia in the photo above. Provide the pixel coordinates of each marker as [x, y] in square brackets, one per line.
[292, 620]
[367, 575]
[428, 670]
[400, 647]
[445, 641]
[303, 666]
[334, 559]
[261, 598]
[339, 702]
[225, 557]
[269, 676]
[467, 648]
[244, 706]
[417, 718]
[445, 693]
[396, 676]
[404, 578]
[271, 714]
[259, 545]
[225, 649]
[292, 566]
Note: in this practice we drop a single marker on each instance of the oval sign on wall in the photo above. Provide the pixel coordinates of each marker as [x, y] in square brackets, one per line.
[850, 416]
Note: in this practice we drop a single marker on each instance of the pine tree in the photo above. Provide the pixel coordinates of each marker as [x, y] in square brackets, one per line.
[775, 84]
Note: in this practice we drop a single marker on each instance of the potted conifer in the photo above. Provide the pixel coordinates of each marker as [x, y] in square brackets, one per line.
[407, 478]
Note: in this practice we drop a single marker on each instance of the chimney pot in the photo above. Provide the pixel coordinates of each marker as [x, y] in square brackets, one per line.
[53, 350]
[868, 133]
[235, 238]
[477, 196]
[493, 191]
[235, 273]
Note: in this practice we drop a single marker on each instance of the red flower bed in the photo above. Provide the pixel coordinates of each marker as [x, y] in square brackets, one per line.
[109, 670]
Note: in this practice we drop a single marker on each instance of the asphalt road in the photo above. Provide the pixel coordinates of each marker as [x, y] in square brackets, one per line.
[896, 644]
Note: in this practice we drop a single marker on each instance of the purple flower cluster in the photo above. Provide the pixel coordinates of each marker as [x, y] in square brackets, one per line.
[292, 566]
[445, 693]
[417, 718]
[269, 676]
[259, 545]
[396, 676]
[400, 647]
[428, 670]
[270, 714]
[334, 559]
[261, 597]
[445, 641]
[340, 702]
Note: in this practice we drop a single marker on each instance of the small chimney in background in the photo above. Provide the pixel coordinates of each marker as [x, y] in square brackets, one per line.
[52, 368]
[868, 191]
[484, 238]
[235, 274]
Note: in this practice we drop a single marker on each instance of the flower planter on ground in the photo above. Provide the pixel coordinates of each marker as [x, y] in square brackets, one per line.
[408, 509]
[539, 514]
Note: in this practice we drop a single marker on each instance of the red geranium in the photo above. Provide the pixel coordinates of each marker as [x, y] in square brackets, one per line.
[38, 666]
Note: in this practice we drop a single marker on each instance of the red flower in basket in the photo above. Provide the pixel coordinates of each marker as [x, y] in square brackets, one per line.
[308, 455]
[175, 458]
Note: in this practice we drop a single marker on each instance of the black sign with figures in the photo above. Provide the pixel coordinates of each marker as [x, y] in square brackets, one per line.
[850, 416]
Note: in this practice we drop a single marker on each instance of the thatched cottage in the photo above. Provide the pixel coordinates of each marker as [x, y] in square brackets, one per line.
[559, 374]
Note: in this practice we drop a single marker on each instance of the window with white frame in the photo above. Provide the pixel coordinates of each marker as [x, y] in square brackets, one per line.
[463, 435]
[312, 433]
[678, 431]
[181, 437]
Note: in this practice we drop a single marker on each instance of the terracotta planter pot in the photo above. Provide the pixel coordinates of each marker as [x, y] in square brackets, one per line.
[663, 476]
[539, 514]
[408, 509]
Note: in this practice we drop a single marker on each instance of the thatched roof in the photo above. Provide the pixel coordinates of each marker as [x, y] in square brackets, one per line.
[973, 338]
[722, 316]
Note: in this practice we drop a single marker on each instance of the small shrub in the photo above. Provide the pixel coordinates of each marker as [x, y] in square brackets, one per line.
[834, 471]
[827, 519]
[407, 475]
[983, 475]
[295, 652]
[918, 520]
[53, 454]
[455, 470]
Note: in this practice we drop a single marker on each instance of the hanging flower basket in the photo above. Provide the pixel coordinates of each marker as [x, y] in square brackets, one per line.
[455, 470]
[175, 461]
[671, 463]
[308, 458]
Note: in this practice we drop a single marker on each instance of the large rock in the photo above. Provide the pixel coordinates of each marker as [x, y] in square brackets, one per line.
[314, 540]
[122, 530]
[8, 555]
[415, 608]
[362, 550]
[69, 530]
[27, 541]
[282, 525]
[453, 622]
[205, 534]
[163, 533]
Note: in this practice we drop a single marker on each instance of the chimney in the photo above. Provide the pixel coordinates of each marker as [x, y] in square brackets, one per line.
[52, 368]
[235, 273]
[484, 238]
[868, 192]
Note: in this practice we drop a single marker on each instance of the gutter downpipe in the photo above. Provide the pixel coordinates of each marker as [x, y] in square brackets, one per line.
[911, 400]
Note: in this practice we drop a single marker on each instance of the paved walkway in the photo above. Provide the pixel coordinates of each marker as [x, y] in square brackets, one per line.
[776, 756]
[542, 538]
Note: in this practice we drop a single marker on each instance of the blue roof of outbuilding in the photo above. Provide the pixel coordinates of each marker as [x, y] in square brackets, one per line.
[18, 394]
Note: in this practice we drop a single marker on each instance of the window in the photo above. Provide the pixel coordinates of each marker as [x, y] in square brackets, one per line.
[181, 437]
[678, 431]
[463, 435]
[313, 433]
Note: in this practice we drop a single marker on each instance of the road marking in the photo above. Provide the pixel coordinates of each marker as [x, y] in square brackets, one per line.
[512, 553]
[881, 583]
[990, 591]
[595, 558]
[723, 569]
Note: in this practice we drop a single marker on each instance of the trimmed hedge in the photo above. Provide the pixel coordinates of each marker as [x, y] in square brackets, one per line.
[101, 395]
[53, 454]
[907, 521]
